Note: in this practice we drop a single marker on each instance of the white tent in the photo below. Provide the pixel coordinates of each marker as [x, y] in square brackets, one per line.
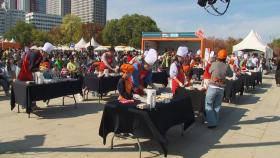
[81, 44]
[102, 48]
[253, 41]
[120, 48]
[6, 40]
[92, 43]
[12, 41]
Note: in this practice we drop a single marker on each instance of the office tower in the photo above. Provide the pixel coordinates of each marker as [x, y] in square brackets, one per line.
[43, 22]
[90, 10]
[23, 5]
[59, 7]
[38, 6]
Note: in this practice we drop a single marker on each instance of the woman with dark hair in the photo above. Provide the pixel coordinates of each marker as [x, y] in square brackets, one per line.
[176, 69]
[277, 73]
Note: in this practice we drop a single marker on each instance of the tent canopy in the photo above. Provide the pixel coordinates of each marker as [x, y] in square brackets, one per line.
[92, 43]
[81, 44]
[253, 41]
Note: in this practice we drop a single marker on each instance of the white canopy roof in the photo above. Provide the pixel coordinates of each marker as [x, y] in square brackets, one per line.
[12, 41]
[81, 44]
[102, 48]
[92, 43]
[253, 41]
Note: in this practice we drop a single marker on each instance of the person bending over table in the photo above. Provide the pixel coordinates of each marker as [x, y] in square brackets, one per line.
[176, 69]
[107, 61]
[142, 75]
[125, 83]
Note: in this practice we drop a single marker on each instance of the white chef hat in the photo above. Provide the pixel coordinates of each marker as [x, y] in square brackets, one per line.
[48, 47]
[245, 56]
[198, 52]
[182, 51]
[145, 53]
[212, 54]
[151, 57]
[26, 49]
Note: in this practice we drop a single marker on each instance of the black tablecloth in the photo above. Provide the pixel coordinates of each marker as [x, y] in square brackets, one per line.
[257, 76]
[120, 118]
[232, 87]
[197, 71]
[101, 85]
[197, 97]
[248, 80]
[24, 94]
[160, 78]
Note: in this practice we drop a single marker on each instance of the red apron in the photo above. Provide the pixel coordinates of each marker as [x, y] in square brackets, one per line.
[181, 77]
[25, 74]
[102, 65]
[142, 74]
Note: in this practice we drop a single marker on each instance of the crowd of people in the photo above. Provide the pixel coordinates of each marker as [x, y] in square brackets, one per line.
[136, 68]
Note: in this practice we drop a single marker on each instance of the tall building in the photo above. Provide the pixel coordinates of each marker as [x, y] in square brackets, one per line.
[2, 21]
[38, 6]
[9, 4]
[44, 22]
[23, 5]
[90, 10]
[9, 18]
[59, 7]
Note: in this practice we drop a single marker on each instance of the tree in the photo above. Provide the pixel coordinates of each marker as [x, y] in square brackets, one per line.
[227, 44]
[71, 28]
[21, 32]
[110, 33]
[56, 36]
[275, 45]
[90, 30]
[128, 30]
[39, 37]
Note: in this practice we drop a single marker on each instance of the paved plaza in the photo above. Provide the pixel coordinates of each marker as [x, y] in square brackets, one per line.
[249, 129]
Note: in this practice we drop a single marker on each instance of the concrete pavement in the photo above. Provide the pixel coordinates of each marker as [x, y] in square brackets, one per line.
[250, 129]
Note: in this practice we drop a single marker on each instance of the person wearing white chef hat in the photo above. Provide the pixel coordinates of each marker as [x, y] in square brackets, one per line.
[176, 69]
[142, 75]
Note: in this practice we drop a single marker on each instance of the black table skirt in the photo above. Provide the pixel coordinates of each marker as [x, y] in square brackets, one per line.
[232, 88]
[197, 97]
[104, 85]
[160, 78]
[101, 85]
[24, 94]
[120, 118]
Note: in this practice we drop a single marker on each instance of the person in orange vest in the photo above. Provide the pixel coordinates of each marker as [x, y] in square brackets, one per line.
[219, 71]
[125, 86]
[176, 69]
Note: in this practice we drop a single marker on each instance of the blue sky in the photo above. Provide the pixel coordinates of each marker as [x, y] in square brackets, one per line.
[262, 16]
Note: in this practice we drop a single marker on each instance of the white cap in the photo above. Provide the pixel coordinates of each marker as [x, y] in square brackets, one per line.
[48, 47]
[151, 57]
[182, 51]
[198, 52]
[212, 54]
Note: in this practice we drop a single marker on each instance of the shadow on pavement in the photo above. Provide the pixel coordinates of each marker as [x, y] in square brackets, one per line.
[68, 111]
